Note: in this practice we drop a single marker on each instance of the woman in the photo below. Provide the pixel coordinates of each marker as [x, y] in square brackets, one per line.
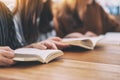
[27, 17]
[9, 42]
[78, 18]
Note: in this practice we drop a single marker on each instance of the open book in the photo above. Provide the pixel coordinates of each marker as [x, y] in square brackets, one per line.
[85, 42]
[32, 54]
[110, 38]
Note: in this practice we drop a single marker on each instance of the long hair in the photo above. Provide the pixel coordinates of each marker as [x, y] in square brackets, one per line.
[29, 11]
[46, 17]
[78, 6]
[70, 10]
[82, 6]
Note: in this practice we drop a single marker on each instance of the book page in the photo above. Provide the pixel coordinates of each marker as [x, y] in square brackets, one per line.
[96, 39]
[41, 54]
[85, 42]
[111, 38]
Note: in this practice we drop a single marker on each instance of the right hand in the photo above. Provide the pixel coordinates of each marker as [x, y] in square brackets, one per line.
[74, 35]
[6, 56]
[90, 34]
[58, 43]
[43, 45]
[51, 43]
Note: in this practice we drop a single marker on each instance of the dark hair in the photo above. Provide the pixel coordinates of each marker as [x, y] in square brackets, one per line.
[71, 14]
[29, 11]
[46, 17]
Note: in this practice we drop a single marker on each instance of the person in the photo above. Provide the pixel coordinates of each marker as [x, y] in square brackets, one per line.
[9, 41]
[79, 18]
[27, 19]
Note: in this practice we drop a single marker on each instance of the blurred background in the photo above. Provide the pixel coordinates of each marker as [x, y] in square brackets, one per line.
[110, 6]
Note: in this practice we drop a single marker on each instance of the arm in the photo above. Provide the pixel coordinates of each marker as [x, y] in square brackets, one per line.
[110, 23]
[7, 31]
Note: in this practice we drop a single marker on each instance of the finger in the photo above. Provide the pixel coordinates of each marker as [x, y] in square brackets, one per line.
[39, 46]
[6, 48]
[5, 61]
[4, 64]
[50, 45]
[7, 54]
[61, 45]
[55, 39]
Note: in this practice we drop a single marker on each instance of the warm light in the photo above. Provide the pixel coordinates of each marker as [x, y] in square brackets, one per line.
[9, 3]
[57, 1]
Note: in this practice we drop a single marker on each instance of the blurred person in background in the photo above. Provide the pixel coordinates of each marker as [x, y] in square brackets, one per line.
[79, 18]
[32, 21]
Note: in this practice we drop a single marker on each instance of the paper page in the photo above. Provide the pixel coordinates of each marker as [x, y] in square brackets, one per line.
[32, 51]
[85, 42]
[96, 39]
[111, 38]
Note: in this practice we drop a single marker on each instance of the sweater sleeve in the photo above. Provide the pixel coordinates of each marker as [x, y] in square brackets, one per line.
[7, 29]
[110, 23]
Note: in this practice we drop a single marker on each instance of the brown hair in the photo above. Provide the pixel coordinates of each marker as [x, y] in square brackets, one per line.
[29, 11]
[79, 6]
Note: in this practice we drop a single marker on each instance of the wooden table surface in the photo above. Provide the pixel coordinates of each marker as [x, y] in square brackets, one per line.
[102, 63]
[103, 54]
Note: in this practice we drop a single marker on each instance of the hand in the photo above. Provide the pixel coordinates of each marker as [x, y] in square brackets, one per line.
[6, 56]
[47, 44]
[74, 35]
[90, 34]
[58, 42]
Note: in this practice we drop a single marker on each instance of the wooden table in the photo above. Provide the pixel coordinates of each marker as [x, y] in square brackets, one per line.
[102, 63]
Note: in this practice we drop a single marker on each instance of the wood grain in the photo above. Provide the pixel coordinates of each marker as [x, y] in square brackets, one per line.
[102, 63]
[63, 69]
[105, 54]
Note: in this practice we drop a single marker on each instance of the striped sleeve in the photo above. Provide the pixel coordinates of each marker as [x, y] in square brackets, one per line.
[7, 30]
